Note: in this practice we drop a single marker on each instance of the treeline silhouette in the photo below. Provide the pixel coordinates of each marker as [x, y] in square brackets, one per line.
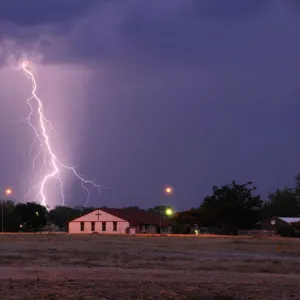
[229, 208]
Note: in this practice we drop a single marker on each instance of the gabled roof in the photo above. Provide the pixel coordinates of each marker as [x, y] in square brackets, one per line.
[289, 220]
[136, 216]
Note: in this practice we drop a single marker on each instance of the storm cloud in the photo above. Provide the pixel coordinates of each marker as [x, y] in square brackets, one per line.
[35, 12]
[184, 92]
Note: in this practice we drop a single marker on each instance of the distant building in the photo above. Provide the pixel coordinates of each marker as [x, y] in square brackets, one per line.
[120, 221]
[283, 226]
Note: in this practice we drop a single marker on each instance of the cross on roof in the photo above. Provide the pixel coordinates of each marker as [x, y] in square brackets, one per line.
[98, 214]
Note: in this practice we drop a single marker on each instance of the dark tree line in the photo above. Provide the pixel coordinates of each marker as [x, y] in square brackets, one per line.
[22, 216]
[228, 209]
[32, 216]
[233, 207]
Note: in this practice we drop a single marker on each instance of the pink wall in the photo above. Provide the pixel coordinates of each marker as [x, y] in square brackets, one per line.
[75, 227]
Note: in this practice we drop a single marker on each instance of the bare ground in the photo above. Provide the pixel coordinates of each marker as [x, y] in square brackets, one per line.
[128, 267]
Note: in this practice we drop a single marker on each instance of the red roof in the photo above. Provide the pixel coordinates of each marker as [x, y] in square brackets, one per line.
[136, 216]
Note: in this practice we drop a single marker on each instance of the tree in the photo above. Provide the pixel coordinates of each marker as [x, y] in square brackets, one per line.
[10, 222]
[297, 180]
[160, 208]
[282, 203]
[231, 207]
[131, 207]
[31, 215]
[61, 215]
[186, 221]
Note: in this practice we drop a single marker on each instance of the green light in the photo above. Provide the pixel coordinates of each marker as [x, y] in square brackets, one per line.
[169, 212]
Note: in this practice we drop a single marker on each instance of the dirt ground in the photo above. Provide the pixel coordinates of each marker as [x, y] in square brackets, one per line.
[128, 267]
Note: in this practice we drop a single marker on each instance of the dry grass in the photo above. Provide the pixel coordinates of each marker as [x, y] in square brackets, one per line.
[128, 267]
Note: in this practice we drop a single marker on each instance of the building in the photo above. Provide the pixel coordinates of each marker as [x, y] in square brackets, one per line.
[283, 226]
[120, 221]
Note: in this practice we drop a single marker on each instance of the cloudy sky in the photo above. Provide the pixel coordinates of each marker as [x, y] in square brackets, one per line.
[143, 94]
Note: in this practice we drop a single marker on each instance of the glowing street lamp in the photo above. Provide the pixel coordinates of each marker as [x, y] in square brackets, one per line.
[7, 192]
[168, 190]
[169, 212]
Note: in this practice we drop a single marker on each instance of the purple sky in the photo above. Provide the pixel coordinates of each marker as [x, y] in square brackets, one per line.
[143, 94]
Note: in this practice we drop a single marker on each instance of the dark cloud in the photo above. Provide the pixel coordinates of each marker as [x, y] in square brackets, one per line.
[220, 9]
[158, 32]
[41, 12]
[186, 91]
[294, 6]
[174, 30]
[29, 27]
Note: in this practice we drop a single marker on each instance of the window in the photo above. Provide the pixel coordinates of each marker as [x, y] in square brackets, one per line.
[81, 226]
[103, 226]
[115, 225]
[93, 226]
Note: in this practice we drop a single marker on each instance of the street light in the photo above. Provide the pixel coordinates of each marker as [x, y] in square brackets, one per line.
[169, 212]
[7, 192]
[168, 190]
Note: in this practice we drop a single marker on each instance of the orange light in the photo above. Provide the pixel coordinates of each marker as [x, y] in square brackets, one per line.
[168, 190]
[8, 192]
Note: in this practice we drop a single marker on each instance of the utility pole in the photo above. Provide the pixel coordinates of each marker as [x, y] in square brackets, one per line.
[2, 219]
[7, 192]
[160, 220]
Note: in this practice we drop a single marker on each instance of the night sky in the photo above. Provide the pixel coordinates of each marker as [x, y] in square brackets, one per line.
[143, 94]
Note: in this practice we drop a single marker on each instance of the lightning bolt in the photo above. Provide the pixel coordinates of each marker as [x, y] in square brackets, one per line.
[41, 129]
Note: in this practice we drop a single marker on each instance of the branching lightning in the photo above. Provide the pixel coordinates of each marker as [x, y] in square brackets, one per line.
[41, 129]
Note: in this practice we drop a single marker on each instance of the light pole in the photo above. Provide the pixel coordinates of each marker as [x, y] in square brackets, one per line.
[7, 192]
[160, 220]
[167, 191]
[168, 212]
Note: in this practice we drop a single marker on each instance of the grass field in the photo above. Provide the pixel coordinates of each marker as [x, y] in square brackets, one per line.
[128, 267]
